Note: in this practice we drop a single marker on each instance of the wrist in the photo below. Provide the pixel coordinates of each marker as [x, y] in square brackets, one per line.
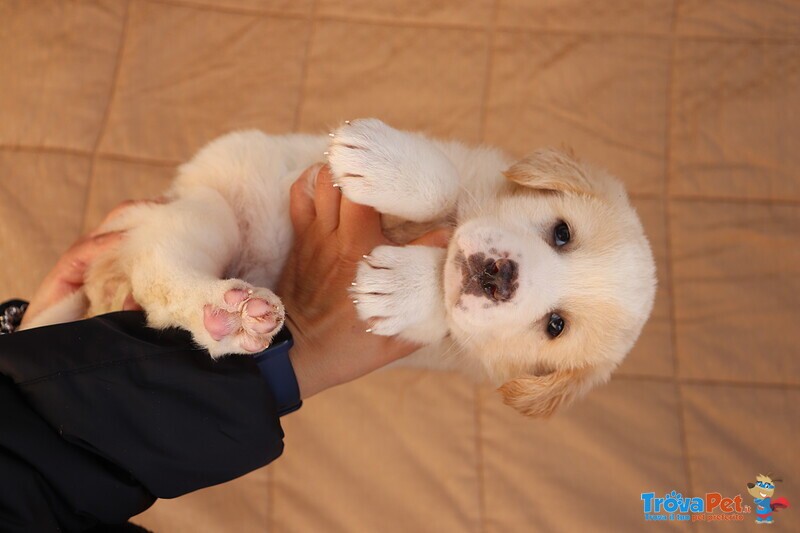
[299, 372]
[303, 368]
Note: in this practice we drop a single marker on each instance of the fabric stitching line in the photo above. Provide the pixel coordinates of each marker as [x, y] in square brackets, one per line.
[301, 87]
[681, 410]
[107, 113]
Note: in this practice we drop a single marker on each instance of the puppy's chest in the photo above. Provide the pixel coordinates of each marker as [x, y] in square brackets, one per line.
[264, 246]
[266, 239]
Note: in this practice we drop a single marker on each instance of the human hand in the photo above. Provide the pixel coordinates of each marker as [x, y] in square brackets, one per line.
[69, 273]
[331, 236]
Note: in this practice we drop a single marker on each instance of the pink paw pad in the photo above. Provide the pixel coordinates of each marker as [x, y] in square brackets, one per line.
[250, 318]
[218, 322]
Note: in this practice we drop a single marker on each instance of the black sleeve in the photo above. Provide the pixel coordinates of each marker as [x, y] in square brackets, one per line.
[103, 415]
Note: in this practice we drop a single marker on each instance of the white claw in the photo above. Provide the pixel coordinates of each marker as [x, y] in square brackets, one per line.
[331, 135]
[368, 330]
[353, 283]
[355, 301]
[337, 186]
[366, 257]
[326, 154]
[347, 122]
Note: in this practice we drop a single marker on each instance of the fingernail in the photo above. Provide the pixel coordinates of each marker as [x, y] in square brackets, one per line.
[108, 235]
[324, 168]
[312, 173]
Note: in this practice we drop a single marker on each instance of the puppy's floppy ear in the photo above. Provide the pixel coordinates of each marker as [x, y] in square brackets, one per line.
[551, 170]
[554, 171]
[542, 395]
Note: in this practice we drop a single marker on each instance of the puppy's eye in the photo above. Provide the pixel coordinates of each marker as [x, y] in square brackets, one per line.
[555, 325]
[561, 234]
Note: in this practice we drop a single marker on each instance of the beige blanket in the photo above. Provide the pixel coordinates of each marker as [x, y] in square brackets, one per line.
[695, 104]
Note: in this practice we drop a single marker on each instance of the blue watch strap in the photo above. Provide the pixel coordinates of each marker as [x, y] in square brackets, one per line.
[276, 367]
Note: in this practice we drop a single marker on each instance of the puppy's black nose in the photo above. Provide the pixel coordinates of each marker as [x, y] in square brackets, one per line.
[499, 279]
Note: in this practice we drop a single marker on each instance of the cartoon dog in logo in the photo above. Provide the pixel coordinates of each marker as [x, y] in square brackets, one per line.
[762, 491]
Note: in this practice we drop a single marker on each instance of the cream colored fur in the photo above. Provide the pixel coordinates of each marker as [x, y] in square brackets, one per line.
[227, 227]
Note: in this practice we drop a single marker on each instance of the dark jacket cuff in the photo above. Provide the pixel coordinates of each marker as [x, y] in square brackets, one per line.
[11, 313]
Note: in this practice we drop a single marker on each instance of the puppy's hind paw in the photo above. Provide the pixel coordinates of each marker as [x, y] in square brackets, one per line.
[244, 321]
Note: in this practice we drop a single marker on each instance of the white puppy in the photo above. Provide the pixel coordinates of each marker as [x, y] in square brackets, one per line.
[546, 284]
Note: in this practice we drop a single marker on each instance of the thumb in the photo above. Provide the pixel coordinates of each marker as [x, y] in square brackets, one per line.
[438, 238]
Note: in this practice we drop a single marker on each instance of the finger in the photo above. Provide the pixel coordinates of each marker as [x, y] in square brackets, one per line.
[360, 223]
[301, 204]
[72, 266]
[438, 238]
[130, 304]
[326, 200]
[397, 348]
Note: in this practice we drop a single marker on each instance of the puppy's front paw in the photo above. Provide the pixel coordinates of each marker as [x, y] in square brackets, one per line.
[397, 291]
[243, 320]
[395, 172]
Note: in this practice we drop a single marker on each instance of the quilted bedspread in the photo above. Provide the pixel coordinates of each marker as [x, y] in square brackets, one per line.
[695, 104]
